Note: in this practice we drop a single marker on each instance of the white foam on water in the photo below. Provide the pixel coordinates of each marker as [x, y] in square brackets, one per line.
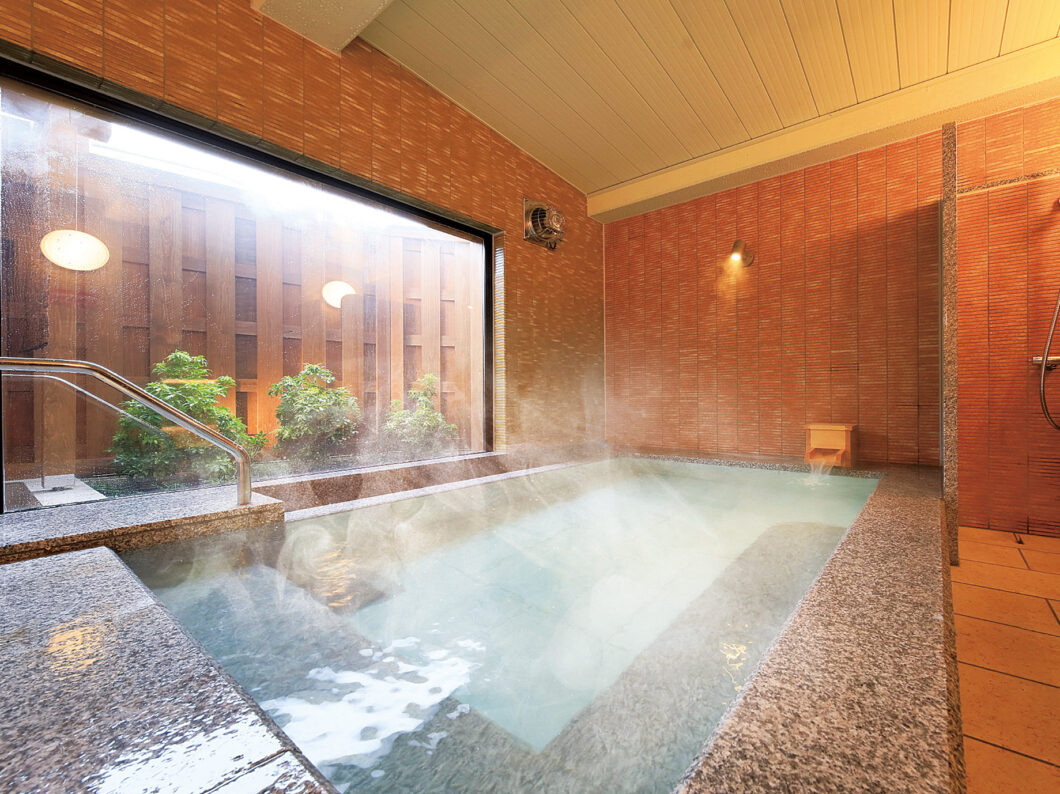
[360, 727]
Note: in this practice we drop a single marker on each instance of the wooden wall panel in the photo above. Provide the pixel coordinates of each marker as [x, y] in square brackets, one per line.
[669, 363]
[770, 338]
[836, 319]
[133, 43]
[727, 353]
[165, 281]
[269, 270]
[55, 409]
[1007, 335]
[1043, 286]
[793, 313]
[240, 73]
[687, 326]
[843, 289]
[71, 31]
[190, 55]
[104, 326]
[220, 250]
[706, 266]
[746, 326]
[311, 280]
[929, 309]
[818, 287]
[872, 304]
[902, 329]
[1008, 237]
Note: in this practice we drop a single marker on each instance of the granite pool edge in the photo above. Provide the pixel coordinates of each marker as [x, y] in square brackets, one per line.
[109, 691]
[859, 690]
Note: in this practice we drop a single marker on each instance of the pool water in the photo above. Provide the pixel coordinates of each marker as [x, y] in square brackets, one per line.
[581, 628]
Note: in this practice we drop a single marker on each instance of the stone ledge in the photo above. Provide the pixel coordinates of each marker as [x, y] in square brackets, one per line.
[105, 691]
[131, 522]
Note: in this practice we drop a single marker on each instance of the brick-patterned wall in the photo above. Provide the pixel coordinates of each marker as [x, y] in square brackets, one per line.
[836, 320]
[363, 113]
[1008, 274]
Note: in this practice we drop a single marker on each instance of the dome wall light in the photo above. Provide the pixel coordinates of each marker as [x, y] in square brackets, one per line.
[741, 254]
[334, 291]
[74, 250]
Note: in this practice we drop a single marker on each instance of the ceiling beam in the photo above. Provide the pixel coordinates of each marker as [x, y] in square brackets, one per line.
[330, 23]
[1021, 77]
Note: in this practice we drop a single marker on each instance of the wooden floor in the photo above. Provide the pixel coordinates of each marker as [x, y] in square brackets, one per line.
[1006, 600]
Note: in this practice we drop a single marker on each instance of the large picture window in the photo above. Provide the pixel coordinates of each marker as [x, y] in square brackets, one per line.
[321, 330]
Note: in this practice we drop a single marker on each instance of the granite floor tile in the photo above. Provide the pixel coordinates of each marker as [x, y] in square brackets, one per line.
[992, 536]
[993, 770]
[1045, 561]
[992, 553]
[1002, 577]
[1010, 712]
[1019, 652]
[1012, 609]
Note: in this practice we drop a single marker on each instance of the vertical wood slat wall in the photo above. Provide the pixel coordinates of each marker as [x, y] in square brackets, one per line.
[837, 319]
[194, 268]
[1008, 275]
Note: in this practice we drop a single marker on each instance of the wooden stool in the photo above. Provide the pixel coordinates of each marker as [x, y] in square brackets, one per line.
[830, 443]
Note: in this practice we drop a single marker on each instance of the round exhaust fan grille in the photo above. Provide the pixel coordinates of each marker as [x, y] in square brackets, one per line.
[543, 225]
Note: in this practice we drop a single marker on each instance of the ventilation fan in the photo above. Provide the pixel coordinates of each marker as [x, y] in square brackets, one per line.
[542, 224]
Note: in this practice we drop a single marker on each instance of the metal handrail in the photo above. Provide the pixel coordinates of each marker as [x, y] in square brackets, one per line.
[46, 366]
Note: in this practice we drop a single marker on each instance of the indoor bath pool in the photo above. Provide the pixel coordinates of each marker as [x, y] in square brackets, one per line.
[577, 628]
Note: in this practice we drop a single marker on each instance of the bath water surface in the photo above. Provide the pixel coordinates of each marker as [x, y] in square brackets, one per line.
[582, 628]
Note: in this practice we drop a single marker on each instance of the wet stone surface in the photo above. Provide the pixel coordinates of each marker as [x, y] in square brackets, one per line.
[105, 692]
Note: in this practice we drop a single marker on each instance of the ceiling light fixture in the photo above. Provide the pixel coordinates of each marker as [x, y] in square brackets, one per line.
[74, 250]
[334, 291]
[741, 254]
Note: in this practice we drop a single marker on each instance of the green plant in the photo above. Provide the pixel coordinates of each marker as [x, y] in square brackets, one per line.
[420, 430]
[183, 381]
[315, 421]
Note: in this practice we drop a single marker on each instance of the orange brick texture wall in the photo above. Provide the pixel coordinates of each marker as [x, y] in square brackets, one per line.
[836, 320]
[1008, 264]
[364, 114]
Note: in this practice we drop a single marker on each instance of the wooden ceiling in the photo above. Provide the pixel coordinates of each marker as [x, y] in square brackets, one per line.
[608, 91]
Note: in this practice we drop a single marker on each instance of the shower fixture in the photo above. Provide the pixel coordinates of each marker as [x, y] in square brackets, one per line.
[740, 253]
[1046, 363]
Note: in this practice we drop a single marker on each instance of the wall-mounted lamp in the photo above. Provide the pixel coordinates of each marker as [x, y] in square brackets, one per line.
[334, 291]
[740, 254]
[74, 250]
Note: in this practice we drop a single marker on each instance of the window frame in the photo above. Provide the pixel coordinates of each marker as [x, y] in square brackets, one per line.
[169, 120]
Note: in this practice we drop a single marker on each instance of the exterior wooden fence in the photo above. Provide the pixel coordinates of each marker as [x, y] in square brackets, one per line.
[194, 266]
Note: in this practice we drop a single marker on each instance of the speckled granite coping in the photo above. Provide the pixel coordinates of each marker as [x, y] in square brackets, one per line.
[371, 501]
[859, 692]
[131, 522]
[103, 691]
[312, 490]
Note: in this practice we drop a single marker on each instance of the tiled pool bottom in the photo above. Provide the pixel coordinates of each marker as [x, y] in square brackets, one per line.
[580, 629]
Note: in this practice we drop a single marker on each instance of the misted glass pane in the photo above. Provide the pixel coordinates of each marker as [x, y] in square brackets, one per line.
[318, 330]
